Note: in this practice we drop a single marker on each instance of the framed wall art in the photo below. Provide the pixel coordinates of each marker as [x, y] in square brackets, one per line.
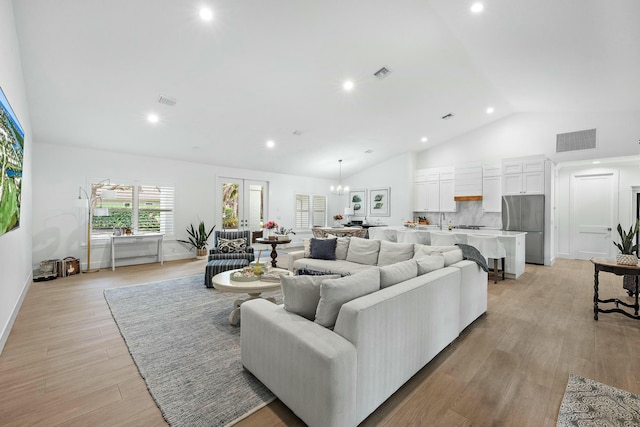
[379, 201]
[11, 161]
[358, 202]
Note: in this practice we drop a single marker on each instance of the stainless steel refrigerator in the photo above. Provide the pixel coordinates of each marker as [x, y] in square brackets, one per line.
[526, 213]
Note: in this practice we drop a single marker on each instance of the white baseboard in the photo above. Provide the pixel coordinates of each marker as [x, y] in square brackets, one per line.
[14, 314]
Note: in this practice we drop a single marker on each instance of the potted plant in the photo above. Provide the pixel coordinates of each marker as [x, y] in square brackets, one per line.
[198, 239]
[269, 228]
[627, 248]
[282, 233]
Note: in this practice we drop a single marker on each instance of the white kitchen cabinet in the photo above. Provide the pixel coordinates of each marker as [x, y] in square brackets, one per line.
[523, 177]
[433, 196]
[447, 194]
[468, 181]
[420, 196]
[492, 194]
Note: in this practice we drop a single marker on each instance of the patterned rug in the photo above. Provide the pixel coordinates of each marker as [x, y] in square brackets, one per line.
[179, 336]
[589, 403]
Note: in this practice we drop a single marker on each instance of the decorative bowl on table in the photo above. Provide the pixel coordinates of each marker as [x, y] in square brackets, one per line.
[244, 275]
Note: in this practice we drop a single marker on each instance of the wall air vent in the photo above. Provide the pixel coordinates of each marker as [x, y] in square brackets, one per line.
[382, 73]
[447, 116]
[166, 100]
[572, 141]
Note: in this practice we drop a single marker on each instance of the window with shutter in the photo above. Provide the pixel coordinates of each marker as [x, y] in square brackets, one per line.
[311, 210]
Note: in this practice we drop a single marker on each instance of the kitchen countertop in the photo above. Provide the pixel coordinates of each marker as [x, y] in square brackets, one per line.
[482, 231]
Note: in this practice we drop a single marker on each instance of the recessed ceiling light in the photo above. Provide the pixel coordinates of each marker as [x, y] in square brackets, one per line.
[477, 7]
[348, 85]
[206, 14]
[596, 162]
[490, 110]
[270, 144]
[153, 118]
[424, 139]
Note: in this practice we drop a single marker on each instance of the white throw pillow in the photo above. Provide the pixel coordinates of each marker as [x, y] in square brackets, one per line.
[391, 253]
[363, 251]
[398, 272]
[302, 293]
[307, 248]
[342, 248]
[453, 256]
[335, 292]
[430, 263]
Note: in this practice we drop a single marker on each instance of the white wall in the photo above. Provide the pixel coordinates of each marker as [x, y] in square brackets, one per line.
[535, 133]
[15, 246]
[397, 174]
[59, 228]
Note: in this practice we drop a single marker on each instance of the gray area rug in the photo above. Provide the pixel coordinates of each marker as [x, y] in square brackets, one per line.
[180, 338]
[590, 403]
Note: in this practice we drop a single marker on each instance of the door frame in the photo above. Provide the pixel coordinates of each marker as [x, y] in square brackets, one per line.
[614, 208]
[244, 189]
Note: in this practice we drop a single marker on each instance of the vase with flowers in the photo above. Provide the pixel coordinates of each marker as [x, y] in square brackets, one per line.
[269, 229]
[336, 220]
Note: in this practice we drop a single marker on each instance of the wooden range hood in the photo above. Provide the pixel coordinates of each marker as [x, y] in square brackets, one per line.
[467, 198]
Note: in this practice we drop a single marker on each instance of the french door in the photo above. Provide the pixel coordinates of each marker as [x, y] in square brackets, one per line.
[243, 203]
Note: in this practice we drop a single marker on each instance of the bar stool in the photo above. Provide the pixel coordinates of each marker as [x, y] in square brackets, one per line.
[443, 239]
[491, 248]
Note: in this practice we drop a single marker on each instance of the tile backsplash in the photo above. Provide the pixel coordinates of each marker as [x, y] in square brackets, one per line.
[468, 213]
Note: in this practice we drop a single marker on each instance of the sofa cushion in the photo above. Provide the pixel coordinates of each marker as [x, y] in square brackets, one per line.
[232, 246]
[391, 253]
[307, 247]
[342, 247]
[338, 266]
[452, 254]
[363, 251]
[335, 292]
[302, 293]
[430, 263]
[323, 249]
[398, 272]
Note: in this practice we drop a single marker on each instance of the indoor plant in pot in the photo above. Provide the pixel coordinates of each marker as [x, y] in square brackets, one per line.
[198, 239]
[627, 248]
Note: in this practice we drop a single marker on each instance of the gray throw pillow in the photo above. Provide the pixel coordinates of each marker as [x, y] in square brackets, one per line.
[430, 263]
[302, 293]
[323, 249]
[363, 251]
[391, 253]
[398, 272]
[335, 292]
[232, 246]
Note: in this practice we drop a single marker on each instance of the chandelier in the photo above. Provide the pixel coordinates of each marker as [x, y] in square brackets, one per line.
[339, 190]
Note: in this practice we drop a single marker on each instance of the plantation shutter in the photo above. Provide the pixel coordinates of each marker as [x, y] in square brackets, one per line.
[319, 214]
[302, 211]
[155, 209]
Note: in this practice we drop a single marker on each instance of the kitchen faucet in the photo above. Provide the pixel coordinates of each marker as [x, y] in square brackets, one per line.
[442, 219]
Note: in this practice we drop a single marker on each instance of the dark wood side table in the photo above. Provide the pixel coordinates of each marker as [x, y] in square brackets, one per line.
[609, 266]
[274, 244]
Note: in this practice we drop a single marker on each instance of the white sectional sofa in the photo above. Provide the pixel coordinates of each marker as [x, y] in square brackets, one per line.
[337, 377]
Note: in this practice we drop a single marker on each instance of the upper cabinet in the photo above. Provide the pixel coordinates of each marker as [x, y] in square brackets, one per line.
[433, 190]
[523, 177]
[491, 188]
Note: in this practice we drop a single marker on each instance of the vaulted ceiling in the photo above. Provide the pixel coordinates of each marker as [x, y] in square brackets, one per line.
[273, 70]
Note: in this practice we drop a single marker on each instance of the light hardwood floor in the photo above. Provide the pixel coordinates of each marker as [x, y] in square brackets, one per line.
[66, 364]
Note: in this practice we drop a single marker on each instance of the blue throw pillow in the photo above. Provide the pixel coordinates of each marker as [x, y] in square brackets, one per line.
[323, 249]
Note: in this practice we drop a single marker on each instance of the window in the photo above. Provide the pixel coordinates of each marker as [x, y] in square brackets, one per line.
[143, 208]
[311, 211]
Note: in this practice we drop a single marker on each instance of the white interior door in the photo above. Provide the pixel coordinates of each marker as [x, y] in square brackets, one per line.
[243, 203]
[594, 202]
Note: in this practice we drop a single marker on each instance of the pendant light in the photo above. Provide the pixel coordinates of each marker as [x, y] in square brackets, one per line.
[339, 190]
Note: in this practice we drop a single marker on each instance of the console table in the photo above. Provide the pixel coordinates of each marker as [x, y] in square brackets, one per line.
[609, 266]
[131, 238]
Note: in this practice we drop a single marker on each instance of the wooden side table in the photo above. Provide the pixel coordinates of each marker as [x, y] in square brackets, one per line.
[274, 244]
[609, 266]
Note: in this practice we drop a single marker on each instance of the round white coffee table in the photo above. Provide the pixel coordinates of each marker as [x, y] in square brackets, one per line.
[223, 282]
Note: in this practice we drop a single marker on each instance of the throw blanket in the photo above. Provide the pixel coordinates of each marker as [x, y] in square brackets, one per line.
[472, 254]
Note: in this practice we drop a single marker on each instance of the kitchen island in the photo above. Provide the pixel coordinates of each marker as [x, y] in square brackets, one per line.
[513, 241]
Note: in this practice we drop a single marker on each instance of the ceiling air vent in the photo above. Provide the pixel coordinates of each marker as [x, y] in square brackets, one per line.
[166, 100]
[382, 73]
[447, 116]
[572, 141]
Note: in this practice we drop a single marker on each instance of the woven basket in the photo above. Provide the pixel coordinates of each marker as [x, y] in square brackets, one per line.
[626, 259]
